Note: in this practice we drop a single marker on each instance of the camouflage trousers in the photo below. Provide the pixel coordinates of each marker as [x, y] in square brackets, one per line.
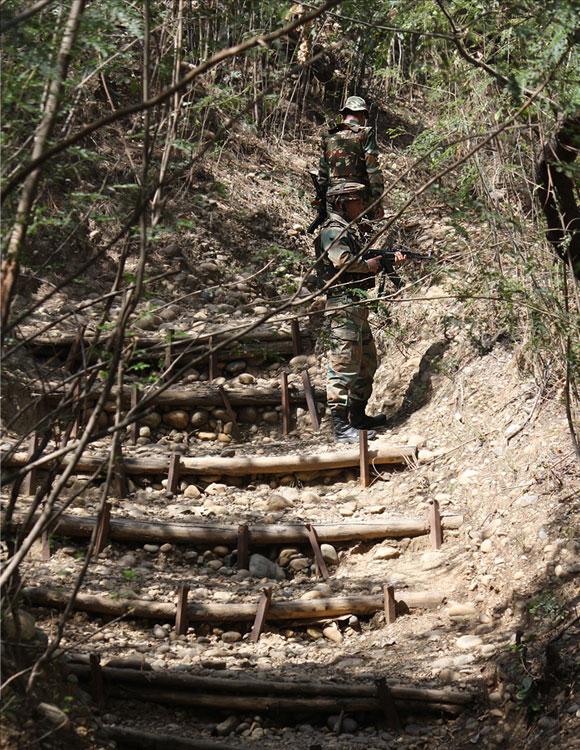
[352, 356]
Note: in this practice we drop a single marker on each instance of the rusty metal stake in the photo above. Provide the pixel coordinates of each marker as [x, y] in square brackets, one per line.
[388, 705]
[181, 614]
[97, 682]
[314, 543]
[30, 481]
[309, 395]
[365, 472]
[134, 429]
[261, 614]
[212, 374]
[174, 473]
[296, 337]
[103, 526]
[243, 547]
[168, 352]
[436, 534]
[390, 604]
[119, 486]
[230, 412]
[45, 546]
[285, 403]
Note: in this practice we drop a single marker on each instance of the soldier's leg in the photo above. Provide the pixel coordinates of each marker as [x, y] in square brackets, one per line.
[363, 386]
[344, 363]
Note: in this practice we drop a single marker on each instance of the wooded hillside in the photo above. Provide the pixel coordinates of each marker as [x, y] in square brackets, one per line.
[164, 357]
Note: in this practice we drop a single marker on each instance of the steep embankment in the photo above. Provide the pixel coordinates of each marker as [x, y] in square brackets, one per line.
[493, 447]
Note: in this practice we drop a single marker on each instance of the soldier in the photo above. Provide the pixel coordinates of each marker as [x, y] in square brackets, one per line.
[352, 359]
[349, 153]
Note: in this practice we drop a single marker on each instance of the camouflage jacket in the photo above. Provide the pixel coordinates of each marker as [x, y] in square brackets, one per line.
[349, 153]
[337, 248]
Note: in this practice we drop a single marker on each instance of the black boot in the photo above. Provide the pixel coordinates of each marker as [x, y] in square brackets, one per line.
[361, 421]
[343, 431]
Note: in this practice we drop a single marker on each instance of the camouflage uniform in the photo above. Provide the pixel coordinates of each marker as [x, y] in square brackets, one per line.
[349, 153]
[352, 359]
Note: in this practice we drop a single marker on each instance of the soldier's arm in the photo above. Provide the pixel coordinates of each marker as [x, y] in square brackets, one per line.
[323, 169]
[339, 252]
[375, 176]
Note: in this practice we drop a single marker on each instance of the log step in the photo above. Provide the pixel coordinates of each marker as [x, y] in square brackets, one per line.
[143, 532]
[380, 453]
[266, 695]
[211, 612]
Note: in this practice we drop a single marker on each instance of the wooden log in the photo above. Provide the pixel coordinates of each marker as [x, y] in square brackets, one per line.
[205, 394]
[257, 686]
[259, 703]
[363, 604]
[142, 532]
[260, 342]
[129, 737]
[380, 453]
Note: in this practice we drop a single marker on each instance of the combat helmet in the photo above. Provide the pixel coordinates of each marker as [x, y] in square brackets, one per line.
[347, 190]
[355, 104]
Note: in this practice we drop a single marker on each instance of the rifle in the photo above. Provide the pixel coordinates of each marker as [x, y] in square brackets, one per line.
[387, 256]
[320, 204]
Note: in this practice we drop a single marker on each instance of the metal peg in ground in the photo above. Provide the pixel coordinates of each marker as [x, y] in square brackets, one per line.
[365, 469]
[181, 616]
[174, 473]
[436, 533]
[285, 397]
[261, 615]
[243, 547]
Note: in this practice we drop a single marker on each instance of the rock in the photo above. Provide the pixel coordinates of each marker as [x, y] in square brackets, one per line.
[165, 548]
[159, 632]
[486, 546]
[332, 633]
[348, 509]
[26, 623]
[262, 567]
[192, 492]
[207, 435]
[227, 726]
[216, 488]
[314, 633]
[468, 642]
[145, 431]
[277, 502]
[419, 441]
[199, 418]
[386, 553]
[329, 554]
[235, 367]
[349, 725]
[231, 636]
[270, 417]
[299, 362]
[148, 322]
[248, 414]
[152, 420]
[246, 378]
[178, 419]
[432, 560]
[298, 564]
[151, 548]
[286, 554]
[54, 715]
[465, 611]
[425, 456]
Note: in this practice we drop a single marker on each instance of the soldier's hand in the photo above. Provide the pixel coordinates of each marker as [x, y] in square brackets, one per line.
[400, 257]
[374, 264]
